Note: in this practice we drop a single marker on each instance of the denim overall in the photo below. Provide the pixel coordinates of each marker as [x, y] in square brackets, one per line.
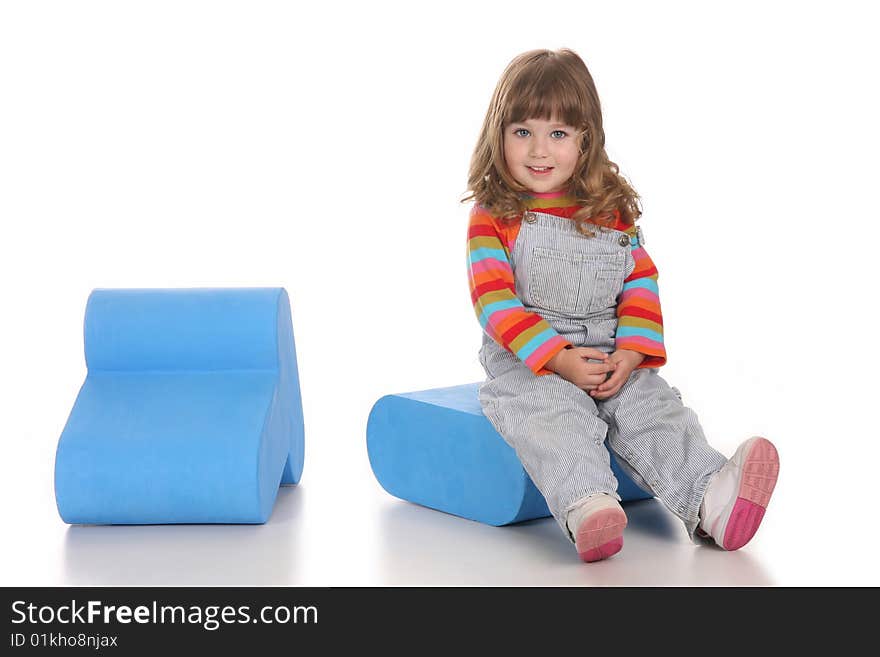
[557, 430]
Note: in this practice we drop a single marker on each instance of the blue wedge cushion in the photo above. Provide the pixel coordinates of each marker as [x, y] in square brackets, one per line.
[190, 411]
[437, 449]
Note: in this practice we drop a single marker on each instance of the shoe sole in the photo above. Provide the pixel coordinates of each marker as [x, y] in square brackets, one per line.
[760, 470]
[601, 535]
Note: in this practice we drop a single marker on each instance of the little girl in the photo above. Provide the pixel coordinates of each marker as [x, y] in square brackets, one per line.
[573, 333]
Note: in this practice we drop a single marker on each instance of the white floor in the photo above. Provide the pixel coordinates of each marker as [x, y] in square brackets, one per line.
[410, 546]
[318, 537]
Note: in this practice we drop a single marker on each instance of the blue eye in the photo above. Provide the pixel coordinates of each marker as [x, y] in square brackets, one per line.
[521, 132]
[558, 134]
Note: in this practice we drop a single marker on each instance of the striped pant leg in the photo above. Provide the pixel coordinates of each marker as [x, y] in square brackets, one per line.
[554, 428]
[661, 444]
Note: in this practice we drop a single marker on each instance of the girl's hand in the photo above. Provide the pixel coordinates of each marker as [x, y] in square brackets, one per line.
[572, 365]
[626, 361]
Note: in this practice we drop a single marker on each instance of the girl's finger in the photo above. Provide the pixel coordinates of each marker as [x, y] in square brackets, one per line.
[600, 368]
[614, 381]
[589, 352]
[605, 395]
[594, 380]
[601, 394]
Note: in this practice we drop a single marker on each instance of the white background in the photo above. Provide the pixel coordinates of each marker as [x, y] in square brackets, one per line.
[323, 147]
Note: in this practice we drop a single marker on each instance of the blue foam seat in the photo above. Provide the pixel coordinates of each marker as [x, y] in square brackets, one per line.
[190, 411]
[437, 449]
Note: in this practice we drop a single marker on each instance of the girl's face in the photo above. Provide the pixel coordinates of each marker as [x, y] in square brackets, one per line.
[541, 155]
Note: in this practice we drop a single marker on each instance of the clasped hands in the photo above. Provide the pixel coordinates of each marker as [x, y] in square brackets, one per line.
[573, 365]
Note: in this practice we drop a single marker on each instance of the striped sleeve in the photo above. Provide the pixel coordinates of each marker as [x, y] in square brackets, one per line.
[493, 294]
[639, 318]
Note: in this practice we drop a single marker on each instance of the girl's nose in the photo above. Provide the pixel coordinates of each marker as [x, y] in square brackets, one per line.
[537, 147]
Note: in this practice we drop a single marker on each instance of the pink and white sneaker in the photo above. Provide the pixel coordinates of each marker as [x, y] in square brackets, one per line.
[597, 524]
[739, 493]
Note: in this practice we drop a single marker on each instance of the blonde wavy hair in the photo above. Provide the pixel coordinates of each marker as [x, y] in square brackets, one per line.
[546, 84]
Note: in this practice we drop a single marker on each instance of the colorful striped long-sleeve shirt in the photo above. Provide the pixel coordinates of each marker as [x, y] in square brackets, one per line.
[528, 335]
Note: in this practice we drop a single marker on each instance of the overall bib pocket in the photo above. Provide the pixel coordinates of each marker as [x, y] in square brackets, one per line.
[575, 284]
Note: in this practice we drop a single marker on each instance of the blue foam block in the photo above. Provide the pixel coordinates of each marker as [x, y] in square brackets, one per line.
[190, 412]
[437, 449]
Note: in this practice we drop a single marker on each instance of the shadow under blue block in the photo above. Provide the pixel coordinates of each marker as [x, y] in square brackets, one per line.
[190, 412]
[436, 448]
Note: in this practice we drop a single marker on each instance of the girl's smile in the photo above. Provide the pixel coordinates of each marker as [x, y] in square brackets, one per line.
[541, 155]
